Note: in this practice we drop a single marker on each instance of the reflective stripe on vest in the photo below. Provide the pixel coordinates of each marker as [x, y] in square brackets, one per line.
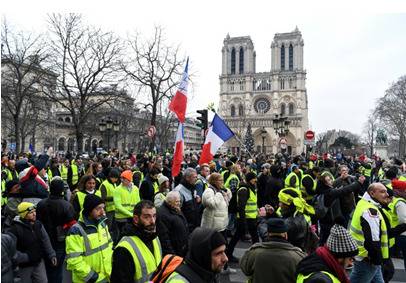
[88, 250]
[251, 207]
[109, 195]
[367, 172]
[75, 174]
[394, 219]
[9, 174]
[381, 174]
[389, 217]
[358, 235]
[138, 172]
[49, 173]
[231, 177]
[144, 261]
[93, 250]
[155, 186]
[305, 195]
[394, 214]
[290, 176]
[301, 278]
[64, 172]
[81, 197]
[128, 200]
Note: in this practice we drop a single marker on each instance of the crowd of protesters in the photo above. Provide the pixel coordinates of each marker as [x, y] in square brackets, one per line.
[126, 219]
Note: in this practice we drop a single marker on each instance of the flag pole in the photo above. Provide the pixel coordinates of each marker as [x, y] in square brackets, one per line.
[236, 137]
[211, 107]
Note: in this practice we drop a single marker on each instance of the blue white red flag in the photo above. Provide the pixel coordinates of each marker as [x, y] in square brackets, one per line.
[179, 101]
[178, 154]
[217, 135]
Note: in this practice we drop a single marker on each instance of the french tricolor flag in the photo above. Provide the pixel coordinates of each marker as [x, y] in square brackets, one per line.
[179, 101]
[178, 154]
[217, 135]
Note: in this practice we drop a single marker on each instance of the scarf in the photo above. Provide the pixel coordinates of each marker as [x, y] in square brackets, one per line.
[332, 263]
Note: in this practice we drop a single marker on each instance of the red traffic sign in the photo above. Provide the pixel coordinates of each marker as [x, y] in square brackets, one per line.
[309, 135]
[151, 131]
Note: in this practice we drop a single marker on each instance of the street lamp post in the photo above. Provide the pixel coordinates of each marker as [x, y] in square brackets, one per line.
[263, 135]
[116, 129]
[108, 126]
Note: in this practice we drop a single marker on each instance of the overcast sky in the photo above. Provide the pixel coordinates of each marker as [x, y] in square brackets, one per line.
[352, 52]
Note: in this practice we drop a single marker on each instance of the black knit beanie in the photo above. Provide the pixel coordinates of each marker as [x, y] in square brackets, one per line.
[250, 176]
[217, 240]
[91, 201]
[57, 186]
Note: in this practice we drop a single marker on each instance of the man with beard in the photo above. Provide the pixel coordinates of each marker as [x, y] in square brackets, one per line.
[89, 245]
[205, 259]
[328, 263]
[139, 252]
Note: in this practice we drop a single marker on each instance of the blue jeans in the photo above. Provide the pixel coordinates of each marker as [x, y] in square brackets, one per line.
[364, 272]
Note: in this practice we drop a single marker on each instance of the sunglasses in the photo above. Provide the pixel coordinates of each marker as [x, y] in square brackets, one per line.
[31, 208]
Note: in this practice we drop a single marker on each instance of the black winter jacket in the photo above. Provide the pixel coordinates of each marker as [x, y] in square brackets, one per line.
[57, 216]
[147, 189]
[32, 186]
[33, 242]
[332, 199]
[8, 251]
[314, 264]
[190, 208]
[172, 229]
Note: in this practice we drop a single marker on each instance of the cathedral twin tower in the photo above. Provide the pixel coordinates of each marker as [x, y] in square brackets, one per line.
[247, 97]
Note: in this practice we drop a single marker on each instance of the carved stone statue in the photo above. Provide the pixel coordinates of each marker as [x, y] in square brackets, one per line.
[381, 137]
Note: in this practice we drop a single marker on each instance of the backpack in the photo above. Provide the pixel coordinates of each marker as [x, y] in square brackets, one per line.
[319, 207]
[168, 265]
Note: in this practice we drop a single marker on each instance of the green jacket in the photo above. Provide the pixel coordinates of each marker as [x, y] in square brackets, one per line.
[89, 250]
[277, 258]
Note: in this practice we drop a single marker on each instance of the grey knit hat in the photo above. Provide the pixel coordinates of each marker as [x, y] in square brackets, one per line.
[340, 243]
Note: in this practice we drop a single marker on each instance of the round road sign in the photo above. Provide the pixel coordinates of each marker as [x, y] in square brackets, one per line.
[309, 135]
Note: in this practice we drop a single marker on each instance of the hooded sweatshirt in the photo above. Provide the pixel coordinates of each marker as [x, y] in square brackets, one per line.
[197, 265]
[314, 264]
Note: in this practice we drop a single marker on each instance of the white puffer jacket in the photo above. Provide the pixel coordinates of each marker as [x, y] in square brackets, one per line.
[215, 213]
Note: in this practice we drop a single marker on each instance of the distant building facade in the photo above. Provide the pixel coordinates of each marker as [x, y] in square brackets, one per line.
[49, 124]
[249, 97]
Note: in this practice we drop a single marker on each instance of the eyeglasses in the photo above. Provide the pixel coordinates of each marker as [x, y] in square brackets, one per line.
[31, 208]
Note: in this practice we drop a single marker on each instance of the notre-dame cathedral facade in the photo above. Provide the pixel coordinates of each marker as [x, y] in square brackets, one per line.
[248, 97]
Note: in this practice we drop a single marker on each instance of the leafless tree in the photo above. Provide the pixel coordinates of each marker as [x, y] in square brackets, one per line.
[370, 129]
[166, 125]
[391, 110]
[155, 67]
[25, 78]
[87, 60]
[321, 143]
